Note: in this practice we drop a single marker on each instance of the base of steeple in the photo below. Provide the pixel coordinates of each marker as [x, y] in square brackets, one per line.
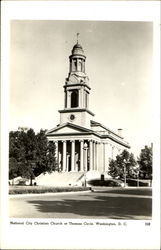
[80, 117]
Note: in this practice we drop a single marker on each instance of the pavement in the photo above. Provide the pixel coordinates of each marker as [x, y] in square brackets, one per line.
[101, 203]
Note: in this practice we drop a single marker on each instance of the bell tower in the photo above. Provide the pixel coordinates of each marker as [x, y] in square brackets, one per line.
[76, 90]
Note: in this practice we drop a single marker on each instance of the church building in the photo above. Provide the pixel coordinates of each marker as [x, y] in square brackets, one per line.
[82, 144]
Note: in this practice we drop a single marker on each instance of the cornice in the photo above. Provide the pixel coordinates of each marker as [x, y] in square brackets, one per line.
[76, 110]
[77, 84]
[89, 133]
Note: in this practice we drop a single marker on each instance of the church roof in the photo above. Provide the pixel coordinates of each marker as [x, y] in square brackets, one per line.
[77, 46]
[94, 124]
[77, 49]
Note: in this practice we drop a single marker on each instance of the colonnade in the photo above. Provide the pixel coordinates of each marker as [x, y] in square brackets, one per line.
[83, 155]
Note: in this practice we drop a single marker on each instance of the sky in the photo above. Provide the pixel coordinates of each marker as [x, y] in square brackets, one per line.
[119, 65]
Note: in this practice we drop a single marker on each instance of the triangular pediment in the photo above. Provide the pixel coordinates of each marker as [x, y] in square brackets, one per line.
[68, 128]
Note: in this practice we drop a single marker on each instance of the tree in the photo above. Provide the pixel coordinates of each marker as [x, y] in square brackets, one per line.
[13, 168]
[123, 164]
[30, 154]
[51, 158]
[145, 162]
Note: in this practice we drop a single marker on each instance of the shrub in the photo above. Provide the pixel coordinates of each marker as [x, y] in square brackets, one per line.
[105, 183]
[134, 183]
[42, 189]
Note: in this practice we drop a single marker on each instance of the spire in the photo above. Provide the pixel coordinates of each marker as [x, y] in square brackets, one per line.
[77, 49]
[77, 38]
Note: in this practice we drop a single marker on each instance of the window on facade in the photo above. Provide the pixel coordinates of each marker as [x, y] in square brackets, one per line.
[74, 99]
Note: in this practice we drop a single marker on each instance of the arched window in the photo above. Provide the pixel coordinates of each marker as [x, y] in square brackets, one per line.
[74, 99]
[79, 65]
[74, 65]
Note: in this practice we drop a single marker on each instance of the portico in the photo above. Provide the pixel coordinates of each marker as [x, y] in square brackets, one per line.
[76, 155]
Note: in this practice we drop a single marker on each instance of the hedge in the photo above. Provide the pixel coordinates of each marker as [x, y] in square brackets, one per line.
[42, 189]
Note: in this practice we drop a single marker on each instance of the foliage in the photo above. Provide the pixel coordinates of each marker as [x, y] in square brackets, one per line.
[105, 183]
[138, 182]
[124, 163]
[43, 189]
[145, 162]
[30, 154]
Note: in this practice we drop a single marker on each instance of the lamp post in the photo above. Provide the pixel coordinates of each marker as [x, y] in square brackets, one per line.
[85, 161]
[138, 177]
[124, 172]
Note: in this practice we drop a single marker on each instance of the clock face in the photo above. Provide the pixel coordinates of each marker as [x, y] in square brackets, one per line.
[72, 117]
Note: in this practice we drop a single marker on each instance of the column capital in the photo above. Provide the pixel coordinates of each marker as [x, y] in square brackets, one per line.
[72, 140]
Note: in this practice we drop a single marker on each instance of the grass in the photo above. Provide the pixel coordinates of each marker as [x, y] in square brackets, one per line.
[43, 189]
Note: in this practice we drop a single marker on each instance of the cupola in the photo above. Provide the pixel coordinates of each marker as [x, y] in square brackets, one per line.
[77, 49]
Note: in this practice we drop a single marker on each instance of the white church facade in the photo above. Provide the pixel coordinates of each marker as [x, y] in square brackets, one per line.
[82, 144]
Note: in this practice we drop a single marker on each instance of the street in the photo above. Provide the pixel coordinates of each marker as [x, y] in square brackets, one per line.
[102, 203]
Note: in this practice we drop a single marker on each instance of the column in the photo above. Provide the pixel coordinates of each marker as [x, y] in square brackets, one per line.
[106, 156]
[97, 154]
[103, 155]
[64, 155]
[96, 151]
[59, 161]
[70, 67]
[85, 157]
[67, 168]
[91, 155]
[87, 100]
[94, 155]
[112, 151]
[68, 99]
[73, 65]
[81, 156]
[73, 156]
[82, 97]
[83, 65]
[56, 150]
[79, 98]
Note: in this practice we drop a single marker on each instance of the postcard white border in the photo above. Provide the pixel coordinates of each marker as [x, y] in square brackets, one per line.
[135, 235]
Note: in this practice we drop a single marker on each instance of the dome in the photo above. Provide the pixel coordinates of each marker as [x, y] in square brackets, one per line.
[77, 50]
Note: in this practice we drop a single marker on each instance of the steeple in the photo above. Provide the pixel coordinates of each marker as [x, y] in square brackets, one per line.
[77, 60]
[77, 37]
[76, 88]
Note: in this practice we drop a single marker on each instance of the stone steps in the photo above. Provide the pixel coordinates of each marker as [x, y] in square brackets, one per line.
[60, 179]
